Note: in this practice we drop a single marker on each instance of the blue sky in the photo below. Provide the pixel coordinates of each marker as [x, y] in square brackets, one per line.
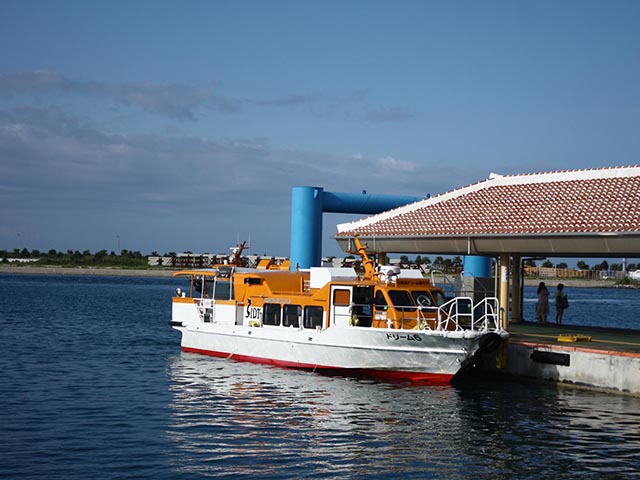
[183, 125]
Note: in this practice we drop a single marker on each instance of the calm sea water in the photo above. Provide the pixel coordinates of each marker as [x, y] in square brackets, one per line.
[94, 385]
[599, 307]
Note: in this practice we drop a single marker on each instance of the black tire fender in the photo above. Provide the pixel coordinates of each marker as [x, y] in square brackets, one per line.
[489, 342]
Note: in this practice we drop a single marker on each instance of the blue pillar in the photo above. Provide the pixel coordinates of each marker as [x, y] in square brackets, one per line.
[306, 227]
[477, 266]
[477, 281]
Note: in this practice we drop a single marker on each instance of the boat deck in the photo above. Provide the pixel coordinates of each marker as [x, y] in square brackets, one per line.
[602, 339]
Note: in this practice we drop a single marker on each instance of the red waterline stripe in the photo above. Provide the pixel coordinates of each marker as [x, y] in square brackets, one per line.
[388, 375]
[568, 348]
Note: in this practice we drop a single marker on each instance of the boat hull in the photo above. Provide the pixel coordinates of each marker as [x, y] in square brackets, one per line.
[403, 355]
[388, 375]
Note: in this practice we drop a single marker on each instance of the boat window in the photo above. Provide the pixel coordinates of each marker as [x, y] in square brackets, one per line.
[401, 300]
[313, 317]
[223, 290]
[197, 284]
[342, 297]
[380, 301]
[271, 314]
[422, 298]
[292, 314]
[203, 286]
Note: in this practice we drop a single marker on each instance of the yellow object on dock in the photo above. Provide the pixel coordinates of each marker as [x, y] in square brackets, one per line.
[574, 338]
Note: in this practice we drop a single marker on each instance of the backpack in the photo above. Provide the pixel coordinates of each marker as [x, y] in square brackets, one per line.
[563, 301]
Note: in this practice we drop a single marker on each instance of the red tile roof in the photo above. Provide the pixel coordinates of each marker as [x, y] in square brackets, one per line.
[594, 201]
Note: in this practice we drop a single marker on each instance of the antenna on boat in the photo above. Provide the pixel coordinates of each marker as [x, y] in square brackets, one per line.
[236, 253]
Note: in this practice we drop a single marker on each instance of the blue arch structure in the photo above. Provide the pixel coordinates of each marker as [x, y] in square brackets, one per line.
[309, 203]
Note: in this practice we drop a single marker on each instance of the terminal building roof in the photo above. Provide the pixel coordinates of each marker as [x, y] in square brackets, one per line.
[564, 213]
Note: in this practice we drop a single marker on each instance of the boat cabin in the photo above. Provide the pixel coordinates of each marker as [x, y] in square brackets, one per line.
[315, 299]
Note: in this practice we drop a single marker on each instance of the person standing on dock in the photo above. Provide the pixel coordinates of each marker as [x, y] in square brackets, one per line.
[542, 307]
[562, 303]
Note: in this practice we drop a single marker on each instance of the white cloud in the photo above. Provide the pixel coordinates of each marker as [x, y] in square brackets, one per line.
[392, 165]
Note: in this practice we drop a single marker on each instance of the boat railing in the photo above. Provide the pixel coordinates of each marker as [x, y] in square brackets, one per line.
[456, 314]
[487, 314]
[443, 280]
[460, 313]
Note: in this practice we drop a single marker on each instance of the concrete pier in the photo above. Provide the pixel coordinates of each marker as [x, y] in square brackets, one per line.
[610, 361]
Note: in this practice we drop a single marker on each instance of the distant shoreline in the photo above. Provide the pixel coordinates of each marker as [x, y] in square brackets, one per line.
[91, 271]
[125, 272]
[569, 282]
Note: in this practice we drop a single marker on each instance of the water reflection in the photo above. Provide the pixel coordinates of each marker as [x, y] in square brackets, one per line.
[533, 428]
[231, 418]
[291, 422]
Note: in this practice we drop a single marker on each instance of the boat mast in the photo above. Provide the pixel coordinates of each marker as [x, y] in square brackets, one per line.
[236, 253]
[369, 268]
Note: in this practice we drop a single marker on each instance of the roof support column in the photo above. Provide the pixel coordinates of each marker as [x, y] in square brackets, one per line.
[504, 290]
[516, 290]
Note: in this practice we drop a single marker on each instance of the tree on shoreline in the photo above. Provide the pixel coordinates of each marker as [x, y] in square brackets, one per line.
[78, 259]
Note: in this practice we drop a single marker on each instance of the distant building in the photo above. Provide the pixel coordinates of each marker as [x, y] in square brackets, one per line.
[184, 260]
[204, 260]
[21, 260]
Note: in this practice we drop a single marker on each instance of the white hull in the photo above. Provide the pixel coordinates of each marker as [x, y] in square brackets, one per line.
[434, 356]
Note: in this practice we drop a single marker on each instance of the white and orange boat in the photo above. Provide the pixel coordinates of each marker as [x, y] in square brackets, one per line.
[386, 323]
